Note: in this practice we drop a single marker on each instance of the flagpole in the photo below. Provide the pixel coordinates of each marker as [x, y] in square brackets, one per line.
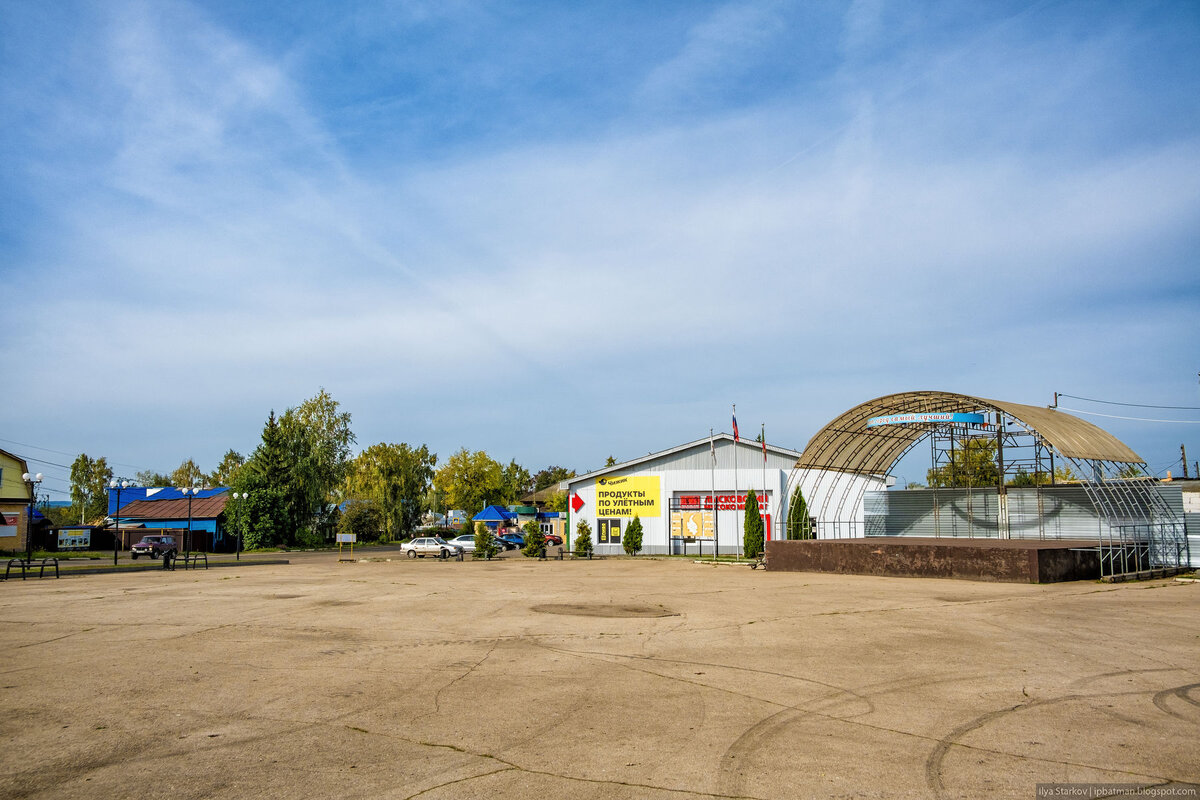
[737, 529]
[764, 502]
[712, 497]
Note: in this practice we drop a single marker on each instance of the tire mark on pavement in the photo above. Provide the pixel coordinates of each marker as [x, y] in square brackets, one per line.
[934, 764]
[1180, 692]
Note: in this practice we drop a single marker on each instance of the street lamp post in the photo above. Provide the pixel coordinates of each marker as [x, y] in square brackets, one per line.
[118, 485]
[189, 493]
[31, 481]
[242, 497]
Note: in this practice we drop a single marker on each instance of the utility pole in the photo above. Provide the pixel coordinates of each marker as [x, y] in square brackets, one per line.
[1183, 456]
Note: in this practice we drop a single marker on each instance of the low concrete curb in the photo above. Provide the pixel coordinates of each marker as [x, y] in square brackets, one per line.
[157, 567]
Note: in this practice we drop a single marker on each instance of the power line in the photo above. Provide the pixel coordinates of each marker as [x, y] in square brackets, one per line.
[1135, 419]
[35, 447]
[1131, 405]
[59, 452]
[51, 463]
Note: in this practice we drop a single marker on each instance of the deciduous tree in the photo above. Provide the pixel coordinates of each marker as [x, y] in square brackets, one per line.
[550, 476]
[972, 464]
[188, 473]
[149, 478]
[318, 439]
[396, 477]
[226, 472]
[470, 481]
[363, 519]
[516, 482]
[89, 487]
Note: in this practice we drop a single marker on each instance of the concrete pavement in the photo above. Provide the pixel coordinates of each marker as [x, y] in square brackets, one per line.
[575, 679]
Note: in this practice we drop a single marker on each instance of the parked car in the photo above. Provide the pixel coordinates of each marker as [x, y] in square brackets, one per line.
[553, 538]
[432, 546]
[154, 546]
[466, 542]
[512, 541]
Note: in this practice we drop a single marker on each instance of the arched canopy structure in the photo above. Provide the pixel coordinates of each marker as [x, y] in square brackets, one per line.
[847, 444]
[854, 452]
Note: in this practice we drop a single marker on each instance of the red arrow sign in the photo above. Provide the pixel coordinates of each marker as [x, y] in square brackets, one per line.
[576, 502]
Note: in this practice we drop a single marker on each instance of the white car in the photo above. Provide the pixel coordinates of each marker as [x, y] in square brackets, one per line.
[466, 542]
[432, 546]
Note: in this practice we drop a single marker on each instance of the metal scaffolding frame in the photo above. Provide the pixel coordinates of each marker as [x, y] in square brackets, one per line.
[1137, 531]
[1139, 534]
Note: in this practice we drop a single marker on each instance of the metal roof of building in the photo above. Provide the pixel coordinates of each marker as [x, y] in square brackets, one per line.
[495, 514]
[750, 448]
[846, 444]
[202, 508]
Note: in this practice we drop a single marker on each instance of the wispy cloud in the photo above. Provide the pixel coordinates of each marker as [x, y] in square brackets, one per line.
[904, 206]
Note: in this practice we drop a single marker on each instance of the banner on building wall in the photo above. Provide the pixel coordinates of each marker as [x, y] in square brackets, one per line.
[628, 497]
[726, 501]
[692, 525]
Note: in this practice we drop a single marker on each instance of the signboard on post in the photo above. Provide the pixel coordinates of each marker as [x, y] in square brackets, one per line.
[346, 538]
[692, 525]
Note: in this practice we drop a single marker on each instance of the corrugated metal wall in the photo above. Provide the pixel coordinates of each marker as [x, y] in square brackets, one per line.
[1067, 513]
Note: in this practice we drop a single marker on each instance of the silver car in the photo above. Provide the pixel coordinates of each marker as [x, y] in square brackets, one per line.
[432, 546]
[466, 542]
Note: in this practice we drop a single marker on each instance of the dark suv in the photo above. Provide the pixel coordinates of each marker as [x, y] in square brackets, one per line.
[154, 546]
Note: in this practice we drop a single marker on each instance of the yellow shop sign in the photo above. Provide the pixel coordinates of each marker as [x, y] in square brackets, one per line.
[627, 497]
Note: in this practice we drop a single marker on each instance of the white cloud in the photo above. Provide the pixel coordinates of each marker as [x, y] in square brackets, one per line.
[228, 257]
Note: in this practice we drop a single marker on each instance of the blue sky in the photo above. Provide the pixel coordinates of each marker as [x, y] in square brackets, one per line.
[560, 231]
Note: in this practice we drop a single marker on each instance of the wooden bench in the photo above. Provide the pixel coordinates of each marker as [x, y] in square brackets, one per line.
[24, 565]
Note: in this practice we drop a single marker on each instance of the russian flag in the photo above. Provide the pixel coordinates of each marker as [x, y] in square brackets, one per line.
[735, 430]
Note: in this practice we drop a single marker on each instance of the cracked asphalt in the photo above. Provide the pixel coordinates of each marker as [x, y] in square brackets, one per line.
[602, 679]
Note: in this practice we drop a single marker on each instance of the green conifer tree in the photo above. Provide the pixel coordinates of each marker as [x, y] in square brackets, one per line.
[752, 538]
[267, 478]
[583, 538]
[535, 540]
[632, 540]
[799, 526]
[486, 545]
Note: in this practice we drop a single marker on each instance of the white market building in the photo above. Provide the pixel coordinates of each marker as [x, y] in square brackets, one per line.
[672, 493]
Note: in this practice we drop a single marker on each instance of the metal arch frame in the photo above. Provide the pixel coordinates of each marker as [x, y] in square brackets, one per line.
[1139, 534]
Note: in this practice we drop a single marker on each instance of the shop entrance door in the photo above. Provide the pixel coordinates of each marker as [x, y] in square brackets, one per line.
[609, 531]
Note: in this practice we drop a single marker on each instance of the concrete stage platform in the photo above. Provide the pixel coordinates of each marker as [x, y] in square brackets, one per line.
[1001, 560]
